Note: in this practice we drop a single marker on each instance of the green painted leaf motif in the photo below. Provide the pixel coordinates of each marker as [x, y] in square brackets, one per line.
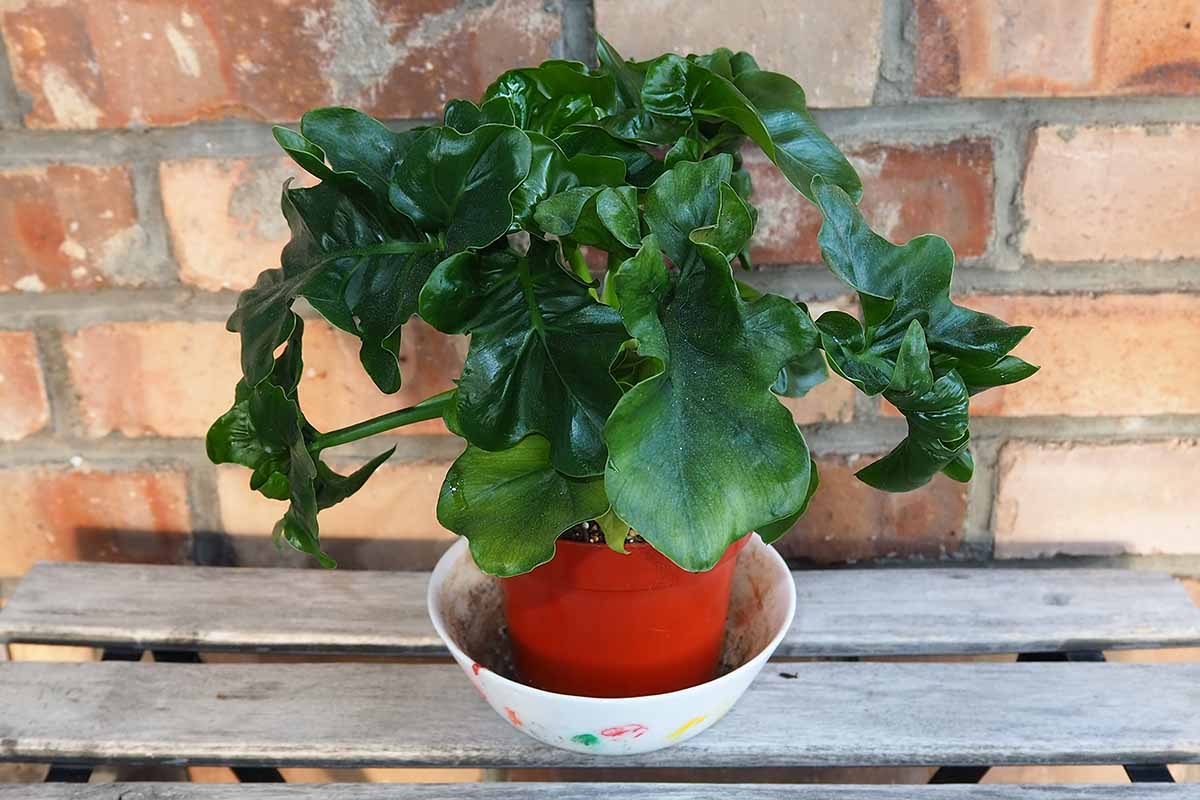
[683, 199]
[897, 284]
[458, 185]
[707, 424]
[512, 505]
[540, 351]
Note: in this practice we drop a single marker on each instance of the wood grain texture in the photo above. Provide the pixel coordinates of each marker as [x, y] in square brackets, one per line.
[825, 714]
[588, 791]
[839, 613]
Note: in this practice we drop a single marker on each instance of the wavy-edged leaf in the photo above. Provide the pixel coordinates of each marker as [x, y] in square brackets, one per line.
[899, 283]
[457, 185]
[601, 217]
[541, 347]
[707, 425]
[512, 505]
[540, 95]
[683, 199]
[464, 116]
[551, 171]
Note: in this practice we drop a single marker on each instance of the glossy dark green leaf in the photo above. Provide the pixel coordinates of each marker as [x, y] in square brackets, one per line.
[1009, 369]
[734, 225]
[897, 284]
[512, 505]
[355, 142]
[641, 168]
[536, 92]
[937, 434]
[774, 530]
[707, 425]
[683, 199]
[551, 171]
[600, 217]
[457, 185]
[540, 350]
[340, 261]
[464, 116]
[627, 77]
[796, 145]
[801, 375]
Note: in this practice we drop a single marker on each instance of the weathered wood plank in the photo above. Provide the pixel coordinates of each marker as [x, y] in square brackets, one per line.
[839, 613]
[822, 714]
[587, 791]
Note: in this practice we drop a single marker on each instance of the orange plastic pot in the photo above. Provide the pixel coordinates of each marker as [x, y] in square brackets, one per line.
[597, 623]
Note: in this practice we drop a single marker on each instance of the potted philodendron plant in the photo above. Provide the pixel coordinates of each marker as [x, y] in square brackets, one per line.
[623, 426]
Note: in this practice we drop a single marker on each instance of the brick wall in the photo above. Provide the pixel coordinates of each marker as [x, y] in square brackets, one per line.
[1056, 145]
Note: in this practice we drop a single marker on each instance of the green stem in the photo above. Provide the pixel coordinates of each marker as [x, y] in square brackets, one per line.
[430, 408]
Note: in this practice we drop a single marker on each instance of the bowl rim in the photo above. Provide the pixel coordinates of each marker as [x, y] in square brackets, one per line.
[455, 552]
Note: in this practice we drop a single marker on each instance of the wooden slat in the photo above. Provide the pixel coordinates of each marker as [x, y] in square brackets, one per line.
[828, 714]
[839, 613]
[588, 791]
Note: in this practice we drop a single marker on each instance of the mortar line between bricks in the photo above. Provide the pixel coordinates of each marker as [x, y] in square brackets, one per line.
[11, 115]
[147, 196]
[72, 311]
[907, 122]
[870, 436]
[65, 415]
[978, 534]
[578, 30]
[897, 60]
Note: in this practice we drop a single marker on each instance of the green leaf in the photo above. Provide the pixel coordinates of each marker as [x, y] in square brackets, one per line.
[796, 144]
[627, 77]
[551, 171]
[615, 530]
[541, 347]
[937, 434]
[899, 284]
[774, 530]
[458, 185]
[734, 225]
[1009, 369]
[600, 217]
[707, 425]
[683, 199]
[464, 116]
[537, 94]
[340, 261]
[801, 375]
[512, 505]
[354, 142]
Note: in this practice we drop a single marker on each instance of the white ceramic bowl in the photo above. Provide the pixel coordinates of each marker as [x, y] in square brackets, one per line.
[467, 611]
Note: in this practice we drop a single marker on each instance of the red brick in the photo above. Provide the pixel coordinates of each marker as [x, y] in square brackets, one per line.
[390, 524]
[223, 216]
[1097, 499]
[1107, 355]
[127, 63]
[68, 227]
[23, 406]
[842, 71]
[182, 376]
[1096, 194]
[1002, 48]
[90, 514]
[850, 521]
[908, 190]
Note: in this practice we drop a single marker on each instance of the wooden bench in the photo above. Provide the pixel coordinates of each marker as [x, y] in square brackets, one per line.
[1051, 709]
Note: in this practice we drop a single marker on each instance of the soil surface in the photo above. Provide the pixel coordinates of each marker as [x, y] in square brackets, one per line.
[590, 532]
